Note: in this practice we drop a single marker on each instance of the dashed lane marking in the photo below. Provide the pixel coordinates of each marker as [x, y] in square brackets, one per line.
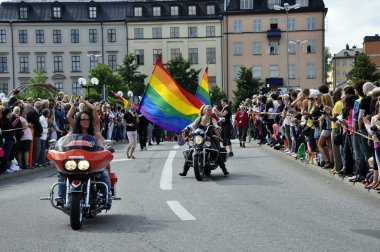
[167, 172]
[180, 211]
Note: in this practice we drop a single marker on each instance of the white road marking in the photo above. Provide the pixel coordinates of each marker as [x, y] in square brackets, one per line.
[176, 147]
[121, 159]
[167, 173]
[180, 211]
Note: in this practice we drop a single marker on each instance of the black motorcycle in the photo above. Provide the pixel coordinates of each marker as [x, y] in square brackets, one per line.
[203, 154]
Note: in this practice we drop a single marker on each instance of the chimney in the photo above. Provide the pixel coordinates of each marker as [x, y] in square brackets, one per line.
[347, 47]
[376, 35]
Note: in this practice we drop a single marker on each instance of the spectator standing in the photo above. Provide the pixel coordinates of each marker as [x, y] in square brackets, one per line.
[226, 124]
[241, 119]
[142, 129]
[337, 110]
[131, 120]
[45, 130]
[26, 141]
[33, 117]
[18, 132]
[9, 139]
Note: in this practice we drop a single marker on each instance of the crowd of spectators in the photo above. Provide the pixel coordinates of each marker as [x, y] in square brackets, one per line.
[336, 129]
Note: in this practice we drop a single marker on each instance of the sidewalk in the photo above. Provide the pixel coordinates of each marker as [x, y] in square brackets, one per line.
[25, 172]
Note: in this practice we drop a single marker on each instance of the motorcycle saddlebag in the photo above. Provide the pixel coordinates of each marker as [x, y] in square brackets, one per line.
[113, 178]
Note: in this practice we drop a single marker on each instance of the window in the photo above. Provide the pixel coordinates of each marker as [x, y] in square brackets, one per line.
[156, 11]
[57, 12]
[236, 72]
[92, 35]
[174, 53]
[139, 33]
[344, 63]
[74, 35]
[273, 47]
[193, 32]
[58, 64]
[57, 38]
[3, 65]
[291, 24]
[75, 63]
[237, 25]
[40, 37]
[292, 48]
[156, 32]
[59, 86]
[41, 63]
[24, 64]
[292, 71]
[257, 71]
[3, 36]
[23, 36]
[211, 55]
[210, 9]
[257, 25]
[238, 48]
[310, 46]
[92, 12]
[174, 10]
[210, 31]
[211, 82]
[272, 3]
[303, 3]
[4, 88]
[310, 70]
[310, 24]
[273, 21]
[257, 48]
[76, 88]
[93, 62]
[192, 10]
[112, 62]
[273, 71]
[139, 57]
[156, 53]
[111, 35]
[174, 32]
[193, 55]
[246, 4]
[23, 12]
[138, 11]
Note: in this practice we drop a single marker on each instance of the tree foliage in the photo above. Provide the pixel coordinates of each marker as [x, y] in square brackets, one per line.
[363, 69]
[247, 86]
[35, 92]
[187, 77]
[216, 95]
[130, 75]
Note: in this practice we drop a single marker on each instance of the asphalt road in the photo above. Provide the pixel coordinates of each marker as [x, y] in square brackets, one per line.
[269, 202]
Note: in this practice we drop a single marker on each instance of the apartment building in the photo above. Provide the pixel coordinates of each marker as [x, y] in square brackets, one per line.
[255, 36]
[371, 47]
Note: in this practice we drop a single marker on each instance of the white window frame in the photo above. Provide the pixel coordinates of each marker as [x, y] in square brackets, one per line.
[210, 31]
[238, 48]
[257, 25]
[257, 71]
[272, 3]
[41, 63]
[238, 25]
[58, 85]
[174, 32]
[211, 55]
[311, 47]
[292, 71]
[138, 33]
[246, 4]
[193, 55]
[310, 25]
[92, 12]
[75, 87]
[303, 3]
[140, 60]
[174, 53]
[273, 71]
[192, 10]
[57, 12]
[291, 24]
[192, 32]
[210, 9]
[156, 32]
[3, 36]
[310, 71]
[156, 11]
[24, 64]
[257, 47]
[137, 11]
[174, 11]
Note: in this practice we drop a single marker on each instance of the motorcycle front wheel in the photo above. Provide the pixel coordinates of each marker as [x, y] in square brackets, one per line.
[76, 211]
[199, 170]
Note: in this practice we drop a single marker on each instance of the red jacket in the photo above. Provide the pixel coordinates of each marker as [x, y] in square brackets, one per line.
[241, 118]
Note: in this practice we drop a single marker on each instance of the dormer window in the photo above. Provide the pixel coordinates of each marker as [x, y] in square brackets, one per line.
[303, 3]
[92, 12]
[210, 9]
[57, 12]
[174, 10]
[138, 12]
[156, 11]
[246, 4]
[23, 12]
[192, 10]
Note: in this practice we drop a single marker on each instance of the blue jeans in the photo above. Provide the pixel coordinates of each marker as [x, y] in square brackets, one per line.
[42, 159]
[356, 154]
[105, 177]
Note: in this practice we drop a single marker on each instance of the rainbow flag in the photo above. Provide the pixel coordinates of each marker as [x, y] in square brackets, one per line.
[166, 104]
[203, 92]
[125, 101]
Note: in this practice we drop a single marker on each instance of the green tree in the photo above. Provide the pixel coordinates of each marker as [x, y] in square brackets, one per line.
[131, 76]
[187, 77]
[35, 92]
[216, 95]
[247, 86]
[363, 69]
[112, 81]
[328, 66]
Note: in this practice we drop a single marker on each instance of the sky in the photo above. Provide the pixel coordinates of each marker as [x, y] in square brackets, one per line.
[349, 21]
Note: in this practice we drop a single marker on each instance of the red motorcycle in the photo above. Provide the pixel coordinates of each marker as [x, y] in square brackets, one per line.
[82, 165]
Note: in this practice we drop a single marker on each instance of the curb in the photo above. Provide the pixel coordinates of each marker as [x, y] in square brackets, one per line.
[325, 172]
[24, 172]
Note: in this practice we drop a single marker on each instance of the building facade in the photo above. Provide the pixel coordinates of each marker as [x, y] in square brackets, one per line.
[371, 47]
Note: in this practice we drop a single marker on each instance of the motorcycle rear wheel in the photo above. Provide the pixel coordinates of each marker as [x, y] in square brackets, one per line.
[76, 211]
[199, 170]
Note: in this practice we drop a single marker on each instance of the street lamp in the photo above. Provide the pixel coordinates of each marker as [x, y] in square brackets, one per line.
[298, 43]
[287, 8]
[83, 82]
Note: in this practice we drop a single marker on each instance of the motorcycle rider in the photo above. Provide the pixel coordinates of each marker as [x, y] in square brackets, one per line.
[203, 121]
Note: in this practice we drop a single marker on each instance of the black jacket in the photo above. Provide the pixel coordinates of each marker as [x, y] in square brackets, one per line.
[33, 117]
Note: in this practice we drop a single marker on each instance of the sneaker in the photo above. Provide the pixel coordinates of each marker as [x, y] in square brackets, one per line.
[352, 177]
[231, 154]
[8, 171]
[286, 150]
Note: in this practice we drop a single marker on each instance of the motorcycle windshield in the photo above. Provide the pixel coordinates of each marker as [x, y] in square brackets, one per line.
[78, 141]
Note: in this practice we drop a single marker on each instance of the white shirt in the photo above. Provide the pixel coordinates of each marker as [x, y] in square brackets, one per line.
[44, 124]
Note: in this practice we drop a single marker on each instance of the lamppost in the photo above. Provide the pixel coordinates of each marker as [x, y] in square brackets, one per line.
[287, 8]
[83, 82]
[298, 43]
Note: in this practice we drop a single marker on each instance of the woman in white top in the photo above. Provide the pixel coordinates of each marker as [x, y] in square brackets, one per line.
[26, 141]
[45, 129]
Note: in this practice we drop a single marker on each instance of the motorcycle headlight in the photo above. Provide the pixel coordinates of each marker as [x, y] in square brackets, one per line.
[83, 165]
[191, 143]
[198, 139]
[208, 144]
[70, 165]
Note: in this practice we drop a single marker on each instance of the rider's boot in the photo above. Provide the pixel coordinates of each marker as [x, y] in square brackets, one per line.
[185, 170]
[223, 167]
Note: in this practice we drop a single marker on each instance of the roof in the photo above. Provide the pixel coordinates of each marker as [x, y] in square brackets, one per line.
[372, 38]
[350, 53]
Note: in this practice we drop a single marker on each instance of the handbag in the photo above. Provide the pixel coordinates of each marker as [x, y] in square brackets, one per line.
[338, 138]
[1, 152]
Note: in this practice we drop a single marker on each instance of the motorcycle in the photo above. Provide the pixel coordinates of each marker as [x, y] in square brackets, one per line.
[202, 153]
[80, 160]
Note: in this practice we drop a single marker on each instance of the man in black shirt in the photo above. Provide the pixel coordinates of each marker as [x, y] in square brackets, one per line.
[33, 117]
